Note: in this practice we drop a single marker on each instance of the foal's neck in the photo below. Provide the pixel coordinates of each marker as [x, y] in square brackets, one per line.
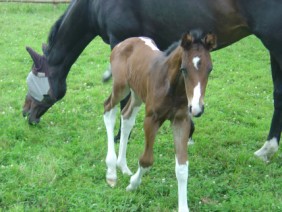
[174, 63]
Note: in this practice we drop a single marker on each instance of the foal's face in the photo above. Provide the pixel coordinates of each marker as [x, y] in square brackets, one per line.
[196, 67]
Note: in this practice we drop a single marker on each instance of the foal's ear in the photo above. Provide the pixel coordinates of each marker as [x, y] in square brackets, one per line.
[210, 41]
[187, 40]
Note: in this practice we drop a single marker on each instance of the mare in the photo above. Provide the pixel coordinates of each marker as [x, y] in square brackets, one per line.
[163, 21]
[171, 85]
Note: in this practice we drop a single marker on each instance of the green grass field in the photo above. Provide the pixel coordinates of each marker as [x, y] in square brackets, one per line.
[59, 165]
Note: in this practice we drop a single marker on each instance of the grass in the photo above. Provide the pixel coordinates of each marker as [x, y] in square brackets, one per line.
[59, 165]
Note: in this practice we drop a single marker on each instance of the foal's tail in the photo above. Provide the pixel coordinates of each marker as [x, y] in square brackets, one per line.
[107, 75]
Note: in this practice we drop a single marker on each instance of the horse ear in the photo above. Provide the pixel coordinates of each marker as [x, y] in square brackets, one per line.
[35, 56]
[44, 48]
[210, 41]
[187, 40]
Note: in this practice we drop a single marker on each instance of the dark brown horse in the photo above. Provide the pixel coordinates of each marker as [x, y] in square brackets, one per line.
[171, 85]
[163, 21]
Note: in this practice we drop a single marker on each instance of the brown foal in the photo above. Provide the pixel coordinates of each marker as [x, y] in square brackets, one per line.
[172, 85]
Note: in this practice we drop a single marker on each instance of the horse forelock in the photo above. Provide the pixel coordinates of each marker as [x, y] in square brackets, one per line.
[197, 35]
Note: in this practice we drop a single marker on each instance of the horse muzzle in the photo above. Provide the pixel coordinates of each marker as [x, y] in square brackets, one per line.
[196, 110]
[33, 109]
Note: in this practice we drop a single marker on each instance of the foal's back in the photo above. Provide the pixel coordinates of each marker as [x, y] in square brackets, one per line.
[131, 62]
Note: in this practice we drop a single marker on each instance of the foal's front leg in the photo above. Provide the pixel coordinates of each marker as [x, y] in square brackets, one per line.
[181, 128]
[146, 160]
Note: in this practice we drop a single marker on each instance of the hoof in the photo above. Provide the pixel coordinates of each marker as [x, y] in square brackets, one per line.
[262, 157]
[112, 182]
[125, 170]
[130, 188]
[267, 150]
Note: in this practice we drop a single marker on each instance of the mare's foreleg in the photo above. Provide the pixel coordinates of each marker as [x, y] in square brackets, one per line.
[271, 145]
[181, 126]
[151, 127]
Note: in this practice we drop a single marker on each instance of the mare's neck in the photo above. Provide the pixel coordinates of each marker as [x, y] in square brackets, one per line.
[63, 55]
[69, 37]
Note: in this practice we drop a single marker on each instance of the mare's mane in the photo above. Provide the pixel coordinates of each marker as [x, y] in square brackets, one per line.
[54, 30]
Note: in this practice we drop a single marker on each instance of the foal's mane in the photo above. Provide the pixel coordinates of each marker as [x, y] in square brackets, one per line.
[54, 30]
[171, 48]
[197, 35]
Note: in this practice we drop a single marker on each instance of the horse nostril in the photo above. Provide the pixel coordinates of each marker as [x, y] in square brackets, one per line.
[198, 114]
[25, 113]
[190, 109]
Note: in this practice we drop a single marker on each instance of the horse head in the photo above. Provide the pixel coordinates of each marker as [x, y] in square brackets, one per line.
[44, 88]
[196, 66]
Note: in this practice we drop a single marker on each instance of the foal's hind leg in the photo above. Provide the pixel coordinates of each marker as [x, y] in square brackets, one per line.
[123, 103]
[111, 158]
[110, 108]
[128, 117]
[191, 141]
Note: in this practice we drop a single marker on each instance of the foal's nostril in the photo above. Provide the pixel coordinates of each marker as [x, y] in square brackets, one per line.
[198, 115]
[197, 110]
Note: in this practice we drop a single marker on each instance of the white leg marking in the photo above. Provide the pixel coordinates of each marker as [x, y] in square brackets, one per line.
[196, 109]
[181, 172]
[126, 127]
[109, 120]
[135, 179]
[196, 61]
[267, 150]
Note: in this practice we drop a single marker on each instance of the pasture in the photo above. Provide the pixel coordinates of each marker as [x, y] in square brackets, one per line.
[59, 165]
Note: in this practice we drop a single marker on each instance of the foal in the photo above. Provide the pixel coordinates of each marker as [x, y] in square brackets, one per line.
[172, 86]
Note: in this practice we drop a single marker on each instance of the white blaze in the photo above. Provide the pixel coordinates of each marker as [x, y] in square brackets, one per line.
[196, 61]
[149, 43]
[196, 100]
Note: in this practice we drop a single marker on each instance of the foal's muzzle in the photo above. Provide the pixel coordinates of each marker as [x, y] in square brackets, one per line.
[196, 111]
